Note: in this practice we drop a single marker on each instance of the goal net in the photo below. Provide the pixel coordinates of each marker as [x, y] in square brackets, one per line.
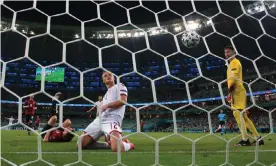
[175, 93]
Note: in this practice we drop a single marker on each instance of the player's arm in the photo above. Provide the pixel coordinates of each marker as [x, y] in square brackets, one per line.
[118, 103]
[26, 104]
[46, 137]
[92, 108]
[235, 69]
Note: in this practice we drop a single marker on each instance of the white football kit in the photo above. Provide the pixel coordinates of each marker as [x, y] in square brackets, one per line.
[111, 118]
[11, 120]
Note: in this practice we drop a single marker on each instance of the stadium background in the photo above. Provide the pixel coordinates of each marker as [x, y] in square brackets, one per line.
[170, 92]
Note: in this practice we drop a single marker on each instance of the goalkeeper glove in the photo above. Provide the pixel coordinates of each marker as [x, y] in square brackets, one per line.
[229, 98]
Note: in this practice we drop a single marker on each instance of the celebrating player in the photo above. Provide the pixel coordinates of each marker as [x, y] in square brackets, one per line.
[237, 97]
[113, 110]
[30, 106]
[97, 106]
[57, 135]
[11, 119]
[222, 120]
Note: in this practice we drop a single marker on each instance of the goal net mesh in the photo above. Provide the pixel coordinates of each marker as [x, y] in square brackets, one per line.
[172, 89]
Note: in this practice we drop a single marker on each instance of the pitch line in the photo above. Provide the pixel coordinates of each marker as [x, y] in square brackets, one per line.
[151, 152]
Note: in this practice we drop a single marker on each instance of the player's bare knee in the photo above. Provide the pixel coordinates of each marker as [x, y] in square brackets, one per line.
[67, 123]
[53, 119]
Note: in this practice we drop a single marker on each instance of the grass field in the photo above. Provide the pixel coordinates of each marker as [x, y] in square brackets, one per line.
[19, 148]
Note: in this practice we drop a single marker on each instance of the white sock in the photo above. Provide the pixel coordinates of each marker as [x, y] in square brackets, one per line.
[126, 146]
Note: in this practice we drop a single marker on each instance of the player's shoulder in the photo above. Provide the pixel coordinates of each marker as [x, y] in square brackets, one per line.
[235, 61]
[121, 85]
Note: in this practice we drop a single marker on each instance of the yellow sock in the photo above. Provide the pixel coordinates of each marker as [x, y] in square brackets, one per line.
[251, 126]
[241, 124]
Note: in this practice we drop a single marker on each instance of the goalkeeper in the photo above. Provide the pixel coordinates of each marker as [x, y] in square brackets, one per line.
[237, 97]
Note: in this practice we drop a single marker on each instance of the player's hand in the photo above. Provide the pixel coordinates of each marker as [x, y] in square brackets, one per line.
[104, 108]
[229, 98]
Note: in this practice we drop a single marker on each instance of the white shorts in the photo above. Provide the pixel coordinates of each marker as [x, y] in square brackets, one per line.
[93, 129]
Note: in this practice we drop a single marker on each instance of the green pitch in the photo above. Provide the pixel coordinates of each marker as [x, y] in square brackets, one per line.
[19, 148]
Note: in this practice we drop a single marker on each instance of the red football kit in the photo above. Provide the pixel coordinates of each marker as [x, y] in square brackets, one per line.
[31, 109]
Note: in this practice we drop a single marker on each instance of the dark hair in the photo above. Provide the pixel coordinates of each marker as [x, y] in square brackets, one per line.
[229, 47]
[68, 137]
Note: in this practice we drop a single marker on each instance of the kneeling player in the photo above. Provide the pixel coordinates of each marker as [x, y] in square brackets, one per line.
[57, 135]
[112, 116]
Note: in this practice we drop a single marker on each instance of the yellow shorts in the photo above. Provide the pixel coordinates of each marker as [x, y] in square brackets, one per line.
[239, 99]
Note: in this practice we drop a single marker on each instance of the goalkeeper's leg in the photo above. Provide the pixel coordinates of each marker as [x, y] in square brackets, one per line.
[242, 127]
[250, 125]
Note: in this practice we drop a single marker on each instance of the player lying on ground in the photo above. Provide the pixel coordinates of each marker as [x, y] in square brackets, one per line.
[57, 135]
[112, 115]
[237, 97]
[30, 106]
[222, 121]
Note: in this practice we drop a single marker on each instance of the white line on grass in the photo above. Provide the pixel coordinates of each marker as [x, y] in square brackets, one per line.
[151, 152]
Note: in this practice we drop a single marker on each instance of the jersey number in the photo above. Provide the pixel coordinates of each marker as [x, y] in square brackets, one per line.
[113, 126]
